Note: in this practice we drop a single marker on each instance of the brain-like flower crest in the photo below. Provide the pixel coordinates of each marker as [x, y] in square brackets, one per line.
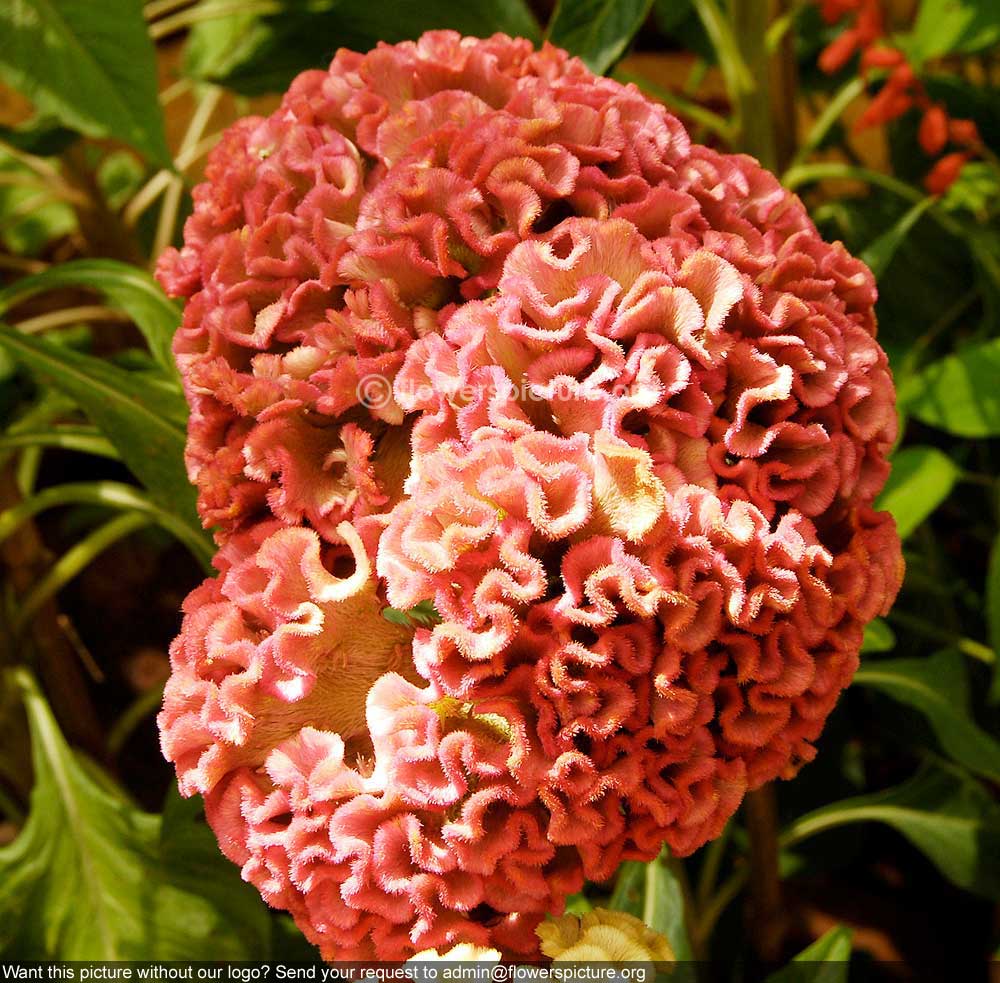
[474, 332]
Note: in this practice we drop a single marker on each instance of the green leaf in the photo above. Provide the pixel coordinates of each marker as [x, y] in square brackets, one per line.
[599, 31]
[958, 393]
[945, 27]
[878, 254]
[40, 136]
[422, 615]
[921, 479]
[190, 852]
[125, 287]
[929, 685]
[143, 420]
[92, 877]
[629, 894]
[825, 961]
[30, 216]
[255, 54]
[879, 637]
[992, 600]
[89, 65]
[663, 909]
[945, 814]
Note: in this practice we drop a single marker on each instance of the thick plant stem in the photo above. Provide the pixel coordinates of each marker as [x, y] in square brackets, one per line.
[765, 109]
[26, 559]
[765, 915]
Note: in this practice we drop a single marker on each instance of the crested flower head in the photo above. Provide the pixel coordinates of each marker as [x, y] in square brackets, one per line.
[540, 447]
[602, 936]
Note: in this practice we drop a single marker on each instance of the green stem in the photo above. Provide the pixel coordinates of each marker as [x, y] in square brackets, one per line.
[206, 106]
[737, 74]
[709, 873]
[825, 121]
[111, 494]
[967, 646]
[11, 809]
[686, 107]
[137, 711]
[710, 914]
[86, 440]
[74, 561]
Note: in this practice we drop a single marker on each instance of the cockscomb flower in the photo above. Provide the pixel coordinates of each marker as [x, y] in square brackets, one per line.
[473, 333]
[602, 936]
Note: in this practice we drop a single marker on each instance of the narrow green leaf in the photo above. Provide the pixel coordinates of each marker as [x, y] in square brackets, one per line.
[92, 877]
[89, 65]
[125, 287]
[739, 78]
[113, 495]
[825, 961]
[143, 421]
[599, 31]
[921, 479]
[826, 120]
[958, 393]
[878, 254]
[664, 910]
[86, 440]
[927, 685]
[72, 563]
[944, 813]
[879, 637]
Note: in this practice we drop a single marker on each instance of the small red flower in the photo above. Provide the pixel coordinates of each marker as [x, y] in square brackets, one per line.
[894, 99]
[933, 133]
[964, 132]
[945, 172]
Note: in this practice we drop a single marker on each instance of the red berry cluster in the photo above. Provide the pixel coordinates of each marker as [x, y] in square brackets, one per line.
[902, 90]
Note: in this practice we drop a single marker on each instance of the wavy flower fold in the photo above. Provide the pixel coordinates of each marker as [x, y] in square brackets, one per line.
[468, 325]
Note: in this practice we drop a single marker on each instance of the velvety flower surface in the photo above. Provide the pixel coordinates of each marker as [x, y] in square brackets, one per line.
[602, 936]
[471, 330]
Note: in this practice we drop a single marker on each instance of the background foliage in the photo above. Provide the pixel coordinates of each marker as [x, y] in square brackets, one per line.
[887, 847]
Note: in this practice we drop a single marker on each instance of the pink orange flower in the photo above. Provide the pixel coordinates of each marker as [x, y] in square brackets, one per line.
[473, 332]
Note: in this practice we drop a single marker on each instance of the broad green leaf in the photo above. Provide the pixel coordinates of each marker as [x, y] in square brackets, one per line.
[254, 54]
[190, 853]
[125, 287]
[878, 254]
[921, 479]
[945, 814]
[929, 685]
[663, 908]
[825, 961]
[30, 217]
[89, 65]
[945, 27]
[958, 393]
[993, 613]
[879, 637]
[599, 31]
[92, 877]
[629, 893]
[40, 136]
[143, 420]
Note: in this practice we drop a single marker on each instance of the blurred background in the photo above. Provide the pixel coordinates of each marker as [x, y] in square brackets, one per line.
[884, 115]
